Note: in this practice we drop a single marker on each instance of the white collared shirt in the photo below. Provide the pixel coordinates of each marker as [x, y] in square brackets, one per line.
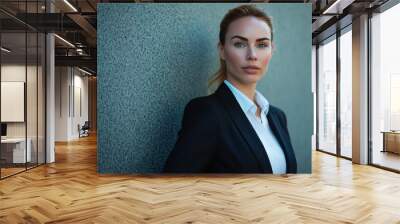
[261, 126]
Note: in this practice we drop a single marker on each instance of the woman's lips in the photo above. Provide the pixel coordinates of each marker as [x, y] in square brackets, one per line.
[251, 69]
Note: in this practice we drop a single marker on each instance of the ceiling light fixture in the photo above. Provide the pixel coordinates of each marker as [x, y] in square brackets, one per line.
[70, 5]
[65, 41]
[5, 49]
[329, 9]
[86, 72]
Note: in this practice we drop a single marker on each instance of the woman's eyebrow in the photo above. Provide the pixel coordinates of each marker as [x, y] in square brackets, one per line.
[261, 39]
[243, 38]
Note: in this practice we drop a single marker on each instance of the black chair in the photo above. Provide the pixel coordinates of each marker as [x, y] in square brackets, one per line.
[84, 130]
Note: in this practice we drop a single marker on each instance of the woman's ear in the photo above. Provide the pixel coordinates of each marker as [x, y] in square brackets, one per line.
[221, 51]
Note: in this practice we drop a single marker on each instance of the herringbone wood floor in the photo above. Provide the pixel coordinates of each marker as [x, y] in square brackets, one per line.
[70, 191]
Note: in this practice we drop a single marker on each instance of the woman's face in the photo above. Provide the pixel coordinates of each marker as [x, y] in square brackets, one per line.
[247, 50]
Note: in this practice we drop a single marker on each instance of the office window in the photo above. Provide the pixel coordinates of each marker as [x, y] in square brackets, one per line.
[385, 88]
[327, 96]
[346, 93]
[314, 92]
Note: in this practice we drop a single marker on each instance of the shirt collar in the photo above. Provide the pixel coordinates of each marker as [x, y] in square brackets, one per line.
[245, 103]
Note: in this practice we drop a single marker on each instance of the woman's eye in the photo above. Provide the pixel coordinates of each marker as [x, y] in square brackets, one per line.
[239, 44]
[262, 45]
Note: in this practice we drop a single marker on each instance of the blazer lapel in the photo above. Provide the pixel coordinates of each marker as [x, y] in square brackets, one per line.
[244, 126]
[276, 128]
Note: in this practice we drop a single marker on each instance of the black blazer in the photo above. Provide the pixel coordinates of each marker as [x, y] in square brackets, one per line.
[217, 137]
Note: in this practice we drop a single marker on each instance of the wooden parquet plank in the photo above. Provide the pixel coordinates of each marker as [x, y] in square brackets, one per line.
[71, 191]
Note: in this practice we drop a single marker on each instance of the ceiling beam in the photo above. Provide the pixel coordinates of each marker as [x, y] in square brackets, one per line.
[85, 61]
[86, 26]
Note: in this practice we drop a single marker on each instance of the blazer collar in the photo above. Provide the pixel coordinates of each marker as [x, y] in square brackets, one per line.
[244, 126]
[245, 103]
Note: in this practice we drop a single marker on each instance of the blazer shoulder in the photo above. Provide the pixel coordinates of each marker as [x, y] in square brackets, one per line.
[204, 104]
[279, 112]
[275, 109]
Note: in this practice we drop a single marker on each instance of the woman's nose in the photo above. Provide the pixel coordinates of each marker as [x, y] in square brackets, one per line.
[251, 54]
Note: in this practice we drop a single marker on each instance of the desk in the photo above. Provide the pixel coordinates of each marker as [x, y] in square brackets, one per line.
[16, 147]
[391, 141]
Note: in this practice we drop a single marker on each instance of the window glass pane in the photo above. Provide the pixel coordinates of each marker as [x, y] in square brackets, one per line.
[314, 91]
[346, 94]
[14, 151]
[41, 98]
[23, 88]
[327, 97]
[32, 85]
[31, 100]
[386, 89]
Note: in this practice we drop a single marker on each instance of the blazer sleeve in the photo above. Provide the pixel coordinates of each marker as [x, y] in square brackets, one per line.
[197, 140]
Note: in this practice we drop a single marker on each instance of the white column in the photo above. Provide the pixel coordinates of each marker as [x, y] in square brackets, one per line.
[360, 90]
[50, 93]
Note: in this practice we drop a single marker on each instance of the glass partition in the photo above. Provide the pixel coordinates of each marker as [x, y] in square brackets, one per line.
[14, 154]
[32, 95]
[22, 77]
[41, 87]
[346, 93]
[327, 96]
[385, 89]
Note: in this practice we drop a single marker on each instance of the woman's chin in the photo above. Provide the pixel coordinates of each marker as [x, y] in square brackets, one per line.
[246, 79]
[251, 79]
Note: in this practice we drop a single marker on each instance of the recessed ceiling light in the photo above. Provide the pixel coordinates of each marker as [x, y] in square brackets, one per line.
[64, 40]
[337, 7]
[70, 5]
[86, 72]
[5, 49]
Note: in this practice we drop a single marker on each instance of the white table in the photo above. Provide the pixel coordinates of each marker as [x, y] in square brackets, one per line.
[18, 145]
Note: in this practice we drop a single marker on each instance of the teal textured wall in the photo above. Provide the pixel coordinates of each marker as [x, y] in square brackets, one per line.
[154, 58]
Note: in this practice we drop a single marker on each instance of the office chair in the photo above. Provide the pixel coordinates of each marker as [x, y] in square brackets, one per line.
[84, 130]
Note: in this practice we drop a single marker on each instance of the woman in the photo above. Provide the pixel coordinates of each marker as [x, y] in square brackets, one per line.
[236, 130]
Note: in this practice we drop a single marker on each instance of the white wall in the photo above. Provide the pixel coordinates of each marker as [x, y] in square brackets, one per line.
[9, 73]
[16, 72]
[71, 93]
[62, 81]
[33, 127]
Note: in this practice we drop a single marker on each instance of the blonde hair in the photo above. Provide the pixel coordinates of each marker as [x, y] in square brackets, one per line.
[232, 15]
